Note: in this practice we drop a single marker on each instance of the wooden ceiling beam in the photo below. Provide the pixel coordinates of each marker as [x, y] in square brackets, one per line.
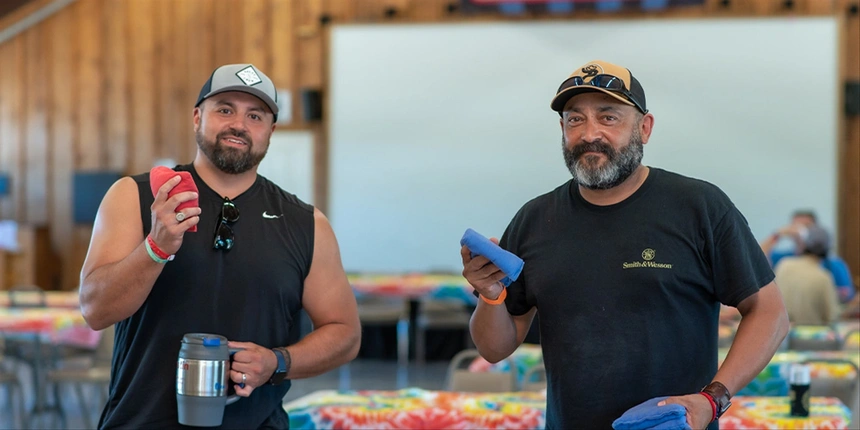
[27, 14]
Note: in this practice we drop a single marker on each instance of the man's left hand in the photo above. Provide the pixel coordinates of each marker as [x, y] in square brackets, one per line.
[257, 363]
[699, 411]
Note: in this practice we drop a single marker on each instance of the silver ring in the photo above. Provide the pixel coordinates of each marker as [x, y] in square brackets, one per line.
[244, 377]
[180, 216]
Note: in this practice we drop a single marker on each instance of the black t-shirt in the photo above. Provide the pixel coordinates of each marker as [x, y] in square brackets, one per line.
[629, 294]
[250, 294]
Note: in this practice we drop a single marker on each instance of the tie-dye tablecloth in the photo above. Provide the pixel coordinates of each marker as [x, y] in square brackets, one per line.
[849, 333]
[841, 330]
[852, 341]
[413, 286]
[813, 332]
[53, 299]
[526, 357]
[414, 408]
[54, 325]
[838, 330]
[773, 379]
[773, 413]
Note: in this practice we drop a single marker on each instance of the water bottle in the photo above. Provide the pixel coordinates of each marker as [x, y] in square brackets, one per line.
[798, 390]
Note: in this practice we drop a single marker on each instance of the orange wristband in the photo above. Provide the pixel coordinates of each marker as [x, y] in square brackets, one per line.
[499, 300]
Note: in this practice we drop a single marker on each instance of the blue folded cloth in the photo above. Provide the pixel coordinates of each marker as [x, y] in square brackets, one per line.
[647, 415]
[505, 260]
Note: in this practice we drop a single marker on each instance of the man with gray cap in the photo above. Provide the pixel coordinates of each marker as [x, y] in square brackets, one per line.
[171, 255]
[832, 263]
[627, 265]
[807, 288]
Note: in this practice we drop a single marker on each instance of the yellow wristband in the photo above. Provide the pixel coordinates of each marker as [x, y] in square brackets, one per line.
[499, 300]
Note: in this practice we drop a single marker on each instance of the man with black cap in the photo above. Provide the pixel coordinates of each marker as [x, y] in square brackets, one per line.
[156, 280]
[810, 296]
[627, 265]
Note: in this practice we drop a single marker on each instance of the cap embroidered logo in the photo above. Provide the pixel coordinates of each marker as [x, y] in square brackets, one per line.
[591, 70]
[249, 76]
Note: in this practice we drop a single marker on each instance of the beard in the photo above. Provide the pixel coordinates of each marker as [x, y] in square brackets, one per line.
[228, 159]
[618, 167]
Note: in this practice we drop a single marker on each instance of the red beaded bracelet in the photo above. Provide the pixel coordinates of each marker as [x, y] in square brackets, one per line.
[161, 254]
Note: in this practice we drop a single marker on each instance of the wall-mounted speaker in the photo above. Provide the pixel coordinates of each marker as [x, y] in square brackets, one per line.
[852, 98]
[312, 109]
[88, 190]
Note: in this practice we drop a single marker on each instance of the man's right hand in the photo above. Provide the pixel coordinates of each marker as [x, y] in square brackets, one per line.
[167, 232]
[483, 275]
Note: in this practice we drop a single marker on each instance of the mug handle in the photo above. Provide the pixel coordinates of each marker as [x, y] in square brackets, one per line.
[235, 397]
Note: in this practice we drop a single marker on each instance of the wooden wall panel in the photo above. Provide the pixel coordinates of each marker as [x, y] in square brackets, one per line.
[816, 7]
[11, 126]
[64, 115]
[345, 11]
[89, 152]
[429, 10]
[849, 209]
[199, 62]
[283, 51]
[6, 206]
[257, 43]
[110, 84]
[769, 7]
[849, 192]
[35, 142]
[229, 32]
[142, 67]
[7, 146]
[116, 88]
[310, 54]
[165, 80]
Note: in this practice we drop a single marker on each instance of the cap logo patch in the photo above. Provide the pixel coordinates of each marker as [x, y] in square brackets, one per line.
[591, 70]
[249, 76]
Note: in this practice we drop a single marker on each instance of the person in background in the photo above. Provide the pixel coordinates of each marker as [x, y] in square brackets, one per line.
[627, 265]
[146, 273]
[808, 290]
[832, 263]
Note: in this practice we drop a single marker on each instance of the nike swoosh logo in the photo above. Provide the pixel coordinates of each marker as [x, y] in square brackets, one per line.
[267, 216]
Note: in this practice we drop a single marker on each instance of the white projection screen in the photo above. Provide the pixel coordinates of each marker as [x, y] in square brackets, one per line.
[437, 128]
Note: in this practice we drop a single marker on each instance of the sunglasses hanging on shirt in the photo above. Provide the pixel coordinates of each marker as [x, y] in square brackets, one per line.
[224, 236]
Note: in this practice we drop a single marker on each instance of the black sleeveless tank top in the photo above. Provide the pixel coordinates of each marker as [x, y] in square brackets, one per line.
[251, 293]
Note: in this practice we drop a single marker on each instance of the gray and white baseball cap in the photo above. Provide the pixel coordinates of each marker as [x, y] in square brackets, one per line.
[815, 240]
[241, 77]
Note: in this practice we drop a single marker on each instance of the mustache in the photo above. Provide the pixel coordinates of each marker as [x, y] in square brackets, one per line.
[235, 133]
[580, 149]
